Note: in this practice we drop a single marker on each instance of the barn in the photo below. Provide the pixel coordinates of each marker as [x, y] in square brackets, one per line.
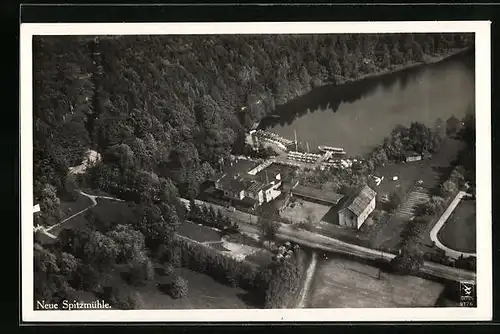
[357, 207]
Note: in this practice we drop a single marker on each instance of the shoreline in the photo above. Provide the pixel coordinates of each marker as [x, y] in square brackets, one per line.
[428, 60]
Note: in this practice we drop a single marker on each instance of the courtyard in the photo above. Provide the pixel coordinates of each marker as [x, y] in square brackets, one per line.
[299, 210]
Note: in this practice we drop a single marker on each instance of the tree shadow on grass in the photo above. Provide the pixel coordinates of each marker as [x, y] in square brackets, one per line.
[251, 299]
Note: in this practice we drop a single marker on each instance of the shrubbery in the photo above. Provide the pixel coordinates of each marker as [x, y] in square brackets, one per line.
[141, 271]
[222, 268]
[285, 280]
[179, 288]
[120, 298]
[206, 215]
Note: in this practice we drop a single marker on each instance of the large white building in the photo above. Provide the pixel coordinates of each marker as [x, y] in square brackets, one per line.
[357, 208]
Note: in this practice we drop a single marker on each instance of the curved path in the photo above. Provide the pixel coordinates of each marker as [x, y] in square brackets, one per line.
[93, 198]
[441, 221]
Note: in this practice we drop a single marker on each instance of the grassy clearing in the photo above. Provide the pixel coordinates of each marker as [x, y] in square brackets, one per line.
[203, 292]
[110, 213]
[69, 208]
[198, 233]
[342, 283]
[427, 170]
[107, 212]
[430, 171]
[459, 231]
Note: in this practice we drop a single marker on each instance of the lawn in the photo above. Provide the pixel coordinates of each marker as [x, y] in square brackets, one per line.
[340, 283]
[459, 231]
[427, 170]
[430, 171]
[198, 233]
[69, 208]
[299, 210]
[108, 214]
[203, 292]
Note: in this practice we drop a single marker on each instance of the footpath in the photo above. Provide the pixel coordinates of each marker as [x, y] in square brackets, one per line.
[454, 254]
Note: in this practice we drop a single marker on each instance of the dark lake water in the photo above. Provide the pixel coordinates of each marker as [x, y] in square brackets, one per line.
[357, 116]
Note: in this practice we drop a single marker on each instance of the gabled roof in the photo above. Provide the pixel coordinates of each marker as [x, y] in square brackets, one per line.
[357, 203]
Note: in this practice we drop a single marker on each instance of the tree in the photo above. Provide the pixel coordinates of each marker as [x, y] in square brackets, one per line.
[432, 207]
[50, 213]
[141, 270]
[49, 283]
[449, 188]
[120, 298]
[68, 266]
[379, 156]
[396, 198]
[130, 243]
[268, 228]
[407, 261]
[179, 288]
[420, 138]
[453, 125]
[100, 250]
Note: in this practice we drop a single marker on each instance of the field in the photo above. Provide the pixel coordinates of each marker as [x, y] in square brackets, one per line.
[203, 292]
[459, 231]
[342, 283]
[300, 210]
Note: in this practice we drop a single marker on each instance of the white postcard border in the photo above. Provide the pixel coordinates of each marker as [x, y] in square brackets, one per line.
[483, 179]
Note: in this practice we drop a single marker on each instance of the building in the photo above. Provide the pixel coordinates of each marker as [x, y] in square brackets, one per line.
[317, 195]
[357, 207]
[248, 181]
[412, 156]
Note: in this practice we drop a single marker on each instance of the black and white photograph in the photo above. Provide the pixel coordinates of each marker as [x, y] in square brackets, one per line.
[256, 171]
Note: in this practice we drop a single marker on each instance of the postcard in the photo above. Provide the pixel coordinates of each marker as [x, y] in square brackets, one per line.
[271, 171]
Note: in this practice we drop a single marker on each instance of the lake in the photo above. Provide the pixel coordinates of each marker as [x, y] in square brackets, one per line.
[358, 115]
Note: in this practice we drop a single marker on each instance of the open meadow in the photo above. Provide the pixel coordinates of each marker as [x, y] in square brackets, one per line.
[340, 283]
[203, 291]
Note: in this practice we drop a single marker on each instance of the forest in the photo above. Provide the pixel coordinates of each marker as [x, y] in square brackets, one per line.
[165, 112]
[174, 106]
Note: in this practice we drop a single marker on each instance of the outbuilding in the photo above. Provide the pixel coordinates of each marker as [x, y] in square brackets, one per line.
[411, 156]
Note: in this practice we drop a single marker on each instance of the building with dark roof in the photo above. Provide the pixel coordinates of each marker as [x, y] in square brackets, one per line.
[244, 179]
[357, 207]
[317, 195]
